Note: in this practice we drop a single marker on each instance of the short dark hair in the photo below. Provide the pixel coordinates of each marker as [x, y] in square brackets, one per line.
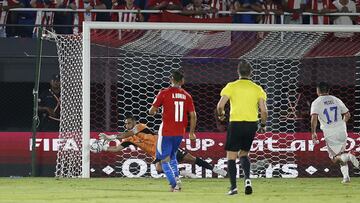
[244, 68]
[323, 87]
[129, 116]
[177, 75]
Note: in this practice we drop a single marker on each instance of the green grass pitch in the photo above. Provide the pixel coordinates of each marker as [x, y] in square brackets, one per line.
[109, 190]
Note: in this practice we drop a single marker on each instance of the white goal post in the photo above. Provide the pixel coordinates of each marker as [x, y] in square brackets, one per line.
[88, 26]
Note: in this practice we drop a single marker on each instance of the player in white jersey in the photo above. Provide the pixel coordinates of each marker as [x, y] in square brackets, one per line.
[333, 115]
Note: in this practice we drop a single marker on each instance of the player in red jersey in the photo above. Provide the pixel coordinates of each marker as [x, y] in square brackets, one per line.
[126, 17]
[176, 104]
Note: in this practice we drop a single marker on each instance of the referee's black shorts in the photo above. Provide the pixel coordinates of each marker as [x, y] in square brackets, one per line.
[240, 135]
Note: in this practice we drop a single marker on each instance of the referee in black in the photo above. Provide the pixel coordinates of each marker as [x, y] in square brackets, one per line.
[246, 99]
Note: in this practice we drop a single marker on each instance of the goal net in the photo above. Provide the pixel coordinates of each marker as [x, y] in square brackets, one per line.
[118, 68]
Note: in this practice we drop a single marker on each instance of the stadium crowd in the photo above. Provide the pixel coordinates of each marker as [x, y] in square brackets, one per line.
[264, 11]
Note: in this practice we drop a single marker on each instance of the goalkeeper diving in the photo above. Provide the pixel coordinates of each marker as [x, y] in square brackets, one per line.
[140, 135]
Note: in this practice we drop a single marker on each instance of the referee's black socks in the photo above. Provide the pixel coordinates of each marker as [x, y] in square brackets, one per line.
[232, 173]
[245, 164]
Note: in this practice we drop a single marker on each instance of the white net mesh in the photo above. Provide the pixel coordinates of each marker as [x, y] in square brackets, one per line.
[177, 43]
[288, 45]
[68, 163]
[126, 75]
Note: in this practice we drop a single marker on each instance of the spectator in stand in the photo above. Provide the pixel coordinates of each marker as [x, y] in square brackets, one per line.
[43, 18]
[357, 2]
[296, 7]
[319, 7]
[64, 21]
[3, 14]
[3, 4]
[97, 4]
[126, 17]
[219, 5]
[270, 6]
[11, 17]
[162, 5]
[198, 10]
[343, 6]
[243, 6]
[26, 19]
[140, 3]
[20, 17]
[90, 5]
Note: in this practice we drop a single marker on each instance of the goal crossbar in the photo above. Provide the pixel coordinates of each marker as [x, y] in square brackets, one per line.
[219, 27]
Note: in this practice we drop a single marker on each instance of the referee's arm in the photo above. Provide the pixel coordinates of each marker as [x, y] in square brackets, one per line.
[263, 112]
[193, 119]
[220, 107]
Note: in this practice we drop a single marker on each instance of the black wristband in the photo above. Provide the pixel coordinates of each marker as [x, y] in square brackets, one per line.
[262, 125]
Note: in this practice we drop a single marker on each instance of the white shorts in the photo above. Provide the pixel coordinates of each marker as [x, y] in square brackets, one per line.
[335, 139]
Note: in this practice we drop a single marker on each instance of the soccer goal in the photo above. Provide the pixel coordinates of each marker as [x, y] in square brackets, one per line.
[115, 68]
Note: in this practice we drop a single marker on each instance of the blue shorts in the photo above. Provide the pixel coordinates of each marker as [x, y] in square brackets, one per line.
[167, 146]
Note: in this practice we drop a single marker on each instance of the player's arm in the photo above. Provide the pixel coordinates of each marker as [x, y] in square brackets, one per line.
[116, 136]
[263, 114]
[346, 116]
[125, 135]
[100, 5]
[153, 110]
[118, 148]
[314, 121]
[221, 106]
[156, 104]
[152, 5]
[33, 3]
[48, 110]
[193, 120]
[344, 111]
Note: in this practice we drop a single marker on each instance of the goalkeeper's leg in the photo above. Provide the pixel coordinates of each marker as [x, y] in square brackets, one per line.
[186, 157]
[189, 158]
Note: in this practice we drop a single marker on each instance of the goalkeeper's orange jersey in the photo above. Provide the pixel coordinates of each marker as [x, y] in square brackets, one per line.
[144, 138]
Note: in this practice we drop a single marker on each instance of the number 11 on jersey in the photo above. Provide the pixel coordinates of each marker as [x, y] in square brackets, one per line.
[179, 111]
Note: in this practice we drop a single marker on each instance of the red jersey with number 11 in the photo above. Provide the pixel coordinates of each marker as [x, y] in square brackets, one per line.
[176, 103]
